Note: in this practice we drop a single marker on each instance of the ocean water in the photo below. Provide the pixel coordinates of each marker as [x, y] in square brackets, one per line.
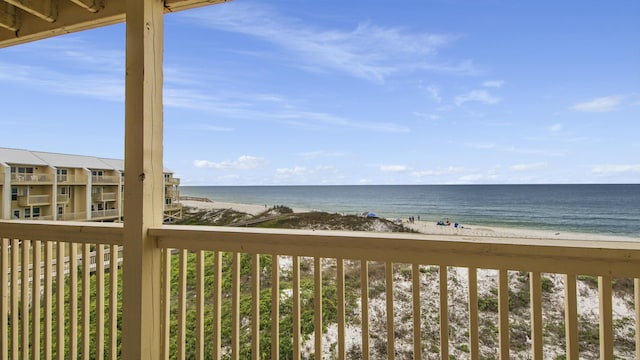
[602, 209]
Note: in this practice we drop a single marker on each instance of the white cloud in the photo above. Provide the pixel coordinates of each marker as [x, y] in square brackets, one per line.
[602, 104]
[451, 170]
[615, 169]
[529, 167]
[493, 83]
[393, 168]
[321, 154]
[555, 127]
[481, 96]
[434, 92]
[298, 170]
[368, 51]
[432, 117]
[244, 162]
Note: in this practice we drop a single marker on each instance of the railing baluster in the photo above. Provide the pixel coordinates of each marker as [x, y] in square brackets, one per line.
[60, 299]
[48, 300]
[15, 256]
[636, 292]
[275, 307]
[73, 298]
[341, 310]
[391, 343]
[606, 321]
[113, 303]
[474, 327]
[86, 301]
[296, 307]
[255, 306]
[199, 305]
[100, 301]
[444, 313]
[417, 338]
[503, 312]
[235, 307]
[571, 315]
[166, 303]
[4, 296]
[24, 287]
[364, 294]
[182, 304]
[35, 291]
[317, 306]
[535, 291]
[217, 305]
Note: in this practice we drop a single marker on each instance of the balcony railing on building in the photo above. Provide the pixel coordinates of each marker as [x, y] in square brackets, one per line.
[102, 196]
[105, 180]
[43, 179]
[102, 214]
[71, 179]
[251, 293]
[34, 200]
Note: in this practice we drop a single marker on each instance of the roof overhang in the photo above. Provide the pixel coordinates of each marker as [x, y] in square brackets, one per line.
[28, 20]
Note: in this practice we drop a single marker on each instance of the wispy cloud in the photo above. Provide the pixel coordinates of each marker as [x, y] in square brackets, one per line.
[615, 169]
[244, 162]
[493, 83]
[394, 168]
[555, 128]
[481, 96]
[451, 170]
[366, 51]
[321, 154]
[529, 167]
[602, 104]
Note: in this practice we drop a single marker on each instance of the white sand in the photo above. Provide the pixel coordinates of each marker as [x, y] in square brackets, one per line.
[433, 229]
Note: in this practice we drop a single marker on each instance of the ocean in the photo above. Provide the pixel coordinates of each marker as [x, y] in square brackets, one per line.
[603, 209]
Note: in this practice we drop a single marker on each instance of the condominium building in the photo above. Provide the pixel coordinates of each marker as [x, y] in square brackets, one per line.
[48, 186]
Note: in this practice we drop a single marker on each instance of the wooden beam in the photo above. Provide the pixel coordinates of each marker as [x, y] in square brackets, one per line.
[8, 17]
[44, 9]
[72, 18]
[141, 328]
[90, 5]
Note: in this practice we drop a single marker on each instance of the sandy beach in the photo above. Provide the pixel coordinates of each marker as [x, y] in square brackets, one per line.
[431, 228]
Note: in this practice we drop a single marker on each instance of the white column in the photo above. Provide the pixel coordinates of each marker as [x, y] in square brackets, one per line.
[87, 198]
[143, 179]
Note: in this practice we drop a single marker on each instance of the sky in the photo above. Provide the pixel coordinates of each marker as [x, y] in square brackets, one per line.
[299, 92]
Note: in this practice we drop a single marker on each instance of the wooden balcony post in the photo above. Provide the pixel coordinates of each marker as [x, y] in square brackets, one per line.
[143, 170]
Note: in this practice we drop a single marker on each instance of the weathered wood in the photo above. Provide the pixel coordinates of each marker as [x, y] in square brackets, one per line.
[444, 313]
[503, 313]
[63, 231]
[317, 306]
[255, 306]
[535, 291]
[364, 295]
[200, 291]
[584, 257]
[391, 330]
[606, 317]
[295, 285]
[474, 336]
[275, 306]
[415, 293]
[43, 9]
[72, 16]
[571, 316]
[182, 305]
[143, 195]
[342, 352]
[8, 18]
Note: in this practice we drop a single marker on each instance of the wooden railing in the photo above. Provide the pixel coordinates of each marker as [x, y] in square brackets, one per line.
[30, 200]
[369, 272]
[72, 179]
[59, 309]
[105, 180]
[31, 178]
[257, 293]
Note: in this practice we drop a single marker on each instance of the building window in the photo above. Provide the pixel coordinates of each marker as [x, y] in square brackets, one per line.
[60, 210]
[16, 214]
[62, 175]
[36, 212]
[27, 213]
[14, 194]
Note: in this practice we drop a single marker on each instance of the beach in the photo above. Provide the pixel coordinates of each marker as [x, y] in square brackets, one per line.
[431, 228]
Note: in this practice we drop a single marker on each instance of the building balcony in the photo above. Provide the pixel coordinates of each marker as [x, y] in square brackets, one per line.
[105, 180]
[34, 200]
[68, 216]
[72, 179]
[22, 179]
[105, 196]
[62, 198]
[258, 293]
[104, 214]
[172, 181]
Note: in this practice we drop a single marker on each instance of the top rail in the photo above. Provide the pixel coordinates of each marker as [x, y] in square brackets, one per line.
[602, 258]
[67, 231]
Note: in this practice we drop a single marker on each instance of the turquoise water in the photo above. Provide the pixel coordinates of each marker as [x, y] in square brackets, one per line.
[602, 209]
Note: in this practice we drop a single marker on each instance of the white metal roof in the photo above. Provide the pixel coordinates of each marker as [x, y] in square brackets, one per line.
[20, 157]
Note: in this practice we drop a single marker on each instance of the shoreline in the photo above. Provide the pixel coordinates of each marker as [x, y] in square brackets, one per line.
[431, 228]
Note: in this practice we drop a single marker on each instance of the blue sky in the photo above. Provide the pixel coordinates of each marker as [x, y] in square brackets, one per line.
[298, 92]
